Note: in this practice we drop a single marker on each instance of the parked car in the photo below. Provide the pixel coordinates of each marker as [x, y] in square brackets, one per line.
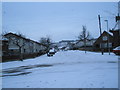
[117, 50]
[51, 52]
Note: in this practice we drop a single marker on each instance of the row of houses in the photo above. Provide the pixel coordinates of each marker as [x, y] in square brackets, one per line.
[16, 45]
[75, 44]
[104, 41]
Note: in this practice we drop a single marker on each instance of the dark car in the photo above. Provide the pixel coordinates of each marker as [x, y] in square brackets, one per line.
[117, 50]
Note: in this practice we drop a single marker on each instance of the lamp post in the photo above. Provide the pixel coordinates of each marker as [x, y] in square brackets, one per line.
[108, 37]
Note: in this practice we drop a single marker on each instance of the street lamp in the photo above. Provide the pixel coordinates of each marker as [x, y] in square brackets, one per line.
[108, 37]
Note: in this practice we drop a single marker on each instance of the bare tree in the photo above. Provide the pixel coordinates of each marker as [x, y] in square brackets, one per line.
[46, 41]
[83, 36]
[18, 41]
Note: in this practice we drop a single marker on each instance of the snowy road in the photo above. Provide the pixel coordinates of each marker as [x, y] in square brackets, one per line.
[66, 69]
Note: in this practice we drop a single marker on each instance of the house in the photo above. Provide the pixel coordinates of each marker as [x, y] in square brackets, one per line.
[19, 45]
[116, 37]
[66, 44]
[80, 43]
[105, 41]
[82, 46]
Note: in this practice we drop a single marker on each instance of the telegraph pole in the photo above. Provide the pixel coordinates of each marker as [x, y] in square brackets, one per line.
[100, 34]
[99, 24]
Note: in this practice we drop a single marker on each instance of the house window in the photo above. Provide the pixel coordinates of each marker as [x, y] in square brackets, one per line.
[103, 45]
[24, 50]
[97, 45]
[104, 38]
[110, 45]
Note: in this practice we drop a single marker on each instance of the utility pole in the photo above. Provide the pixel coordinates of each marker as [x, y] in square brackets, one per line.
[119, 17]
[99, 24]
[100, 34]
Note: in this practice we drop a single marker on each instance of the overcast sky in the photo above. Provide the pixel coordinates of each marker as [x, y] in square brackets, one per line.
[58, 20]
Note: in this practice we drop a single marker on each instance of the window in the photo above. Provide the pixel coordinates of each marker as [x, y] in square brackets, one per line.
[104, 38]
[103, 45]
[97, 45]
[24, 50]
[110, 45]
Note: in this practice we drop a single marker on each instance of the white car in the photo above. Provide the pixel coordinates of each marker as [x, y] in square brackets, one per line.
[51, 52]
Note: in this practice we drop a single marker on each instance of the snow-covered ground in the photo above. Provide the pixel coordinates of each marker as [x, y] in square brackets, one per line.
[66, 69]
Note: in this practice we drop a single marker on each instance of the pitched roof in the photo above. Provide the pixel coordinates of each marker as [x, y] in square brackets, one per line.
[20, 36]
[117, 30]
[105, 32]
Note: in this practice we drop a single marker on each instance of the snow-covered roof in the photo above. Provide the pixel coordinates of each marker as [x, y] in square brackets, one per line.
[67, 41]
[108, 33]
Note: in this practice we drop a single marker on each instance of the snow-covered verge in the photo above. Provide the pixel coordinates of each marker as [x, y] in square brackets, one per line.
[66, 69]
